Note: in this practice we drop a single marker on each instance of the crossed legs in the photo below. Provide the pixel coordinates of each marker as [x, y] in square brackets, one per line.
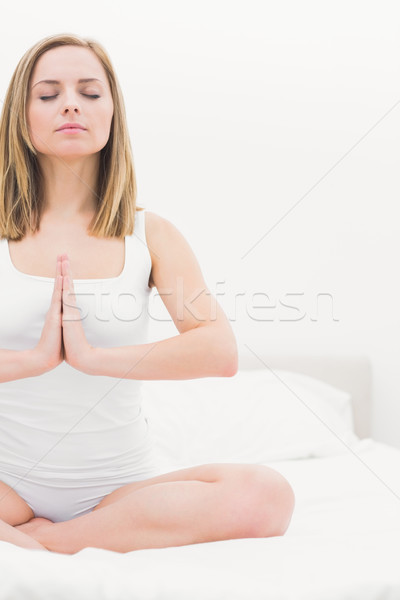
[199, 504]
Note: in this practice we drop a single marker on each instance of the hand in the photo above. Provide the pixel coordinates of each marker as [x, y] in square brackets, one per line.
[77, 350]
[49, 347]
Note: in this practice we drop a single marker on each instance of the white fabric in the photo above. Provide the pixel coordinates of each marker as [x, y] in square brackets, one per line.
[254, 416]
[66, 429]
[343, 544]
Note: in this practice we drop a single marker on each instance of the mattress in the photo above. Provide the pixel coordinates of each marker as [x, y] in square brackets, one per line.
[343, 542]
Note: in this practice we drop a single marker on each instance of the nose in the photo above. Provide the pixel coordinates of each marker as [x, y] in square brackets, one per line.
[71, 108]
[71, 104]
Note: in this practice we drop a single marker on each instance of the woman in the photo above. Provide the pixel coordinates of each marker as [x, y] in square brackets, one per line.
[76, 463]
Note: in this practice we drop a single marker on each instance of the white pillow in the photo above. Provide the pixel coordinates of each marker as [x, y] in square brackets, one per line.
[256, 416]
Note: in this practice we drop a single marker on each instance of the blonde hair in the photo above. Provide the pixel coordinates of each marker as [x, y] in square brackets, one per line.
[21, 180]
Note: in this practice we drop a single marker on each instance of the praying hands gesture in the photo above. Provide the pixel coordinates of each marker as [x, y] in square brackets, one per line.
[63, 337]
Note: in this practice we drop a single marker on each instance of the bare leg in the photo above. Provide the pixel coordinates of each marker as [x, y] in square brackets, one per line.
[12, 535]
[174, 514]
[31, 526]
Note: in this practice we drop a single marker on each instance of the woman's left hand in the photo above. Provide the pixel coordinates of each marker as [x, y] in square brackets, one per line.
[77, 350]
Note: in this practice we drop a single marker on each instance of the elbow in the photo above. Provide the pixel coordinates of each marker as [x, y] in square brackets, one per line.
[222, 353]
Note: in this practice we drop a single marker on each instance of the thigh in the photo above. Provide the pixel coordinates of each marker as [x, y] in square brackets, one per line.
[208, 472]
[13, 509]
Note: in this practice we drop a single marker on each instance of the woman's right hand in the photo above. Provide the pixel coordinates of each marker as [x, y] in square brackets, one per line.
[50, 348]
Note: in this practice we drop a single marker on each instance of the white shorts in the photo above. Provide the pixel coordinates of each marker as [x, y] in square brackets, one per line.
[62, 499]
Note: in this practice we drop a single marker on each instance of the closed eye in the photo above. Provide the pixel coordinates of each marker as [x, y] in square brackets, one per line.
[87, 95]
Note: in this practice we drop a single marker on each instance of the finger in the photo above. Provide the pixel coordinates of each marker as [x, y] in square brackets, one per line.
[68, 293]
[66, 267]
[57, 283]
[70, 308]
[67, 279]
[58, 265]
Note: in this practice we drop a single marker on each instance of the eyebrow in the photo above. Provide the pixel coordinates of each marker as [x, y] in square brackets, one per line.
[87, 79]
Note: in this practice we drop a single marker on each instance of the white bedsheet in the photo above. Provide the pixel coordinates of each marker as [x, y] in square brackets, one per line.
[343, 543]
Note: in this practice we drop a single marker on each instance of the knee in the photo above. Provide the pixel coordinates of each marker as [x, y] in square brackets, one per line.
[285, 503]
[266, 502]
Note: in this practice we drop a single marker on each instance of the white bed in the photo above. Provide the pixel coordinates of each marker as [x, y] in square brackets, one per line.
[295, 414]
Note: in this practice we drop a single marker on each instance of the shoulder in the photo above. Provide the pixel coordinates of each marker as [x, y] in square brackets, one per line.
[161, 233]
[162, 237]
[156, 223]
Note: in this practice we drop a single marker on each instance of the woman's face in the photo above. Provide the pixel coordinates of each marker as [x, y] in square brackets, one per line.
[51, 105]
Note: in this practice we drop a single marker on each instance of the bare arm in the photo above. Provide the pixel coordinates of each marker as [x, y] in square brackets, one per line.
[18, 364]
[196, 353]
[206, 345]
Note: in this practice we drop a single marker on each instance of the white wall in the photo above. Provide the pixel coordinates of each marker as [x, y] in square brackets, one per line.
[267, 132]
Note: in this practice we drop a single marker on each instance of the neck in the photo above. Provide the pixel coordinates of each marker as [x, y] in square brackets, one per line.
[70, 187]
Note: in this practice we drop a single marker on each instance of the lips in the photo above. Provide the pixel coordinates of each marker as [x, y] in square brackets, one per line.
[71, 126]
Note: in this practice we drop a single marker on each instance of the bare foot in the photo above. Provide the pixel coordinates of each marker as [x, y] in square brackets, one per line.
[34, 526]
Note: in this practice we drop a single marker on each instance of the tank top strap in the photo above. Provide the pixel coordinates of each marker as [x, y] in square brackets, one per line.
[138, 256]
[3, 255]
[139, 230]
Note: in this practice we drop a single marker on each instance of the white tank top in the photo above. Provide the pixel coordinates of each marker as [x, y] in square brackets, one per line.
[66, 422]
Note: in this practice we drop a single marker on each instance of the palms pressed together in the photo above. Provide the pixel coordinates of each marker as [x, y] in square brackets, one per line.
[63, 337]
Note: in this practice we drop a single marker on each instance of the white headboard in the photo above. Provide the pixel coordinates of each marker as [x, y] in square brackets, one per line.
[351, 373]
